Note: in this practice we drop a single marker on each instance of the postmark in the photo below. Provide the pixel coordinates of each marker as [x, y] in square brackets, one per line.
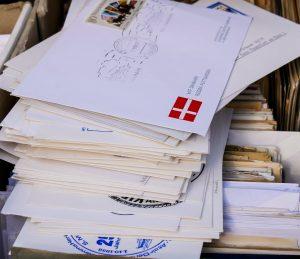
[142, 203]
[137, 44]
[106, 245]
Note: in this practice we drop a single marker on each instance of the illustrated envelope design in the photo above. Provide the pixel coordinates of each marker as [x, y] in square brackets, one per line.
[185, 109]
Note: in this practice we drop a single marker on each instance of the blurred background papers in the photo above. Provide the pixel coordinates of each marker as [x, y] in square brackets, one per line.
[268, 35]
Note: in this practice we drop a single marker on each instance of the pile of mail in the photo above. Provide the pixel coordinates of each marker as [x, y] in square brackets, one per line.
[115, 154]
[281, 141]
[118, 162]
[57, 211]
[260, 218]
[251, 111]
[255, 164]
[282, 86]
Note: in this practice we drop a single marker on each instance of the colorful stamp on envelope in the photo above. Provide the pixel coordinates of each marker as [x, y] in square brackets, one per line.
[223, 7]
[115, 13]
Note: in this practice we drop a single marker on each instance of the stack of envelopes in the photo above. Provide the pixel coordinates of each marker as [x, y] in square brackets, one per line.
[54, 147]
[251, 111]
[260, 218]
[142, 165]
[195, 216]
[114, 138]
[254, 164]
[123, 145]
[283, 86]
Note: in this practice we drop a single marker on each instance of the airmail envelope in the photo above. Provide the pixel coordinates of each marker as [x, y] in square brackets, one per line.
[129, 71]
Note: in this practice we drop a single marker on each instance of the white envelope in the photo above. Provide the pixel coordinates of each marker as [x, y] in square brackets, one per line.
[19, 204]
[260, 198]
[74, 133]
[271, 42]
[260, 65]
[211, 222]
[208, 62]
[31, 238]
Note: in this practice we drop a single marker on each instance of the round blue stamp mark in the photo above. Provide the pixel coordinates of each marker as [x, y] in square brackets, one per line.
[104, 245]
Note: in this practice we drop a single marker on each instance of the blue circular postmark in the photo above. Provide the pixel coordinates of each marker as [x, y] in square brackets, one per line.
[105, 245]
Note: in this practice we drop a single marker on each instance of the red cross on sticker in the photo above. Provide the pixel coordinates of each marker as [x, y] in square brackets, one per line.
[185, 109]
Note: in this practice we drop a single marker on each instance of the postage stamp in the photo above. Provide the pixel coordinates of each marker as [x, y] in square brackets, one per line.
[116, 13]
[223, 7]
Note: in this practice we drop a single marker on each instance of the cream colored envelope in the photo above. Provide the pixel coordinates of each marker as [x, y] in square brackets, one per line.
[48, 169]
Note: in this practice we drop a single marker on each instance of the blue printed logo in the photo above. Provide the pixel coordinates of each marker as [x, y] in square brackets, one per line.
[143, 243]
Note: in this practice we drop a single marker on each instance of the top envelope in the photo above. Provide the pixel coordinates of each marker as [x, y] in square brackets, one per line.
[153, 61]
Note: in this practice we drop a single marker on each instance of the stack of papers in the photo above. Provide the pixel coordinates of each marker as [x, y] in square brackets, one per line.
[260, 218]
[254, 164]
[132, 165]
[283, 141]
[116, 155]
[251, 111]
[146, 167]
[56, 211]
[282, 87]
[125, 148]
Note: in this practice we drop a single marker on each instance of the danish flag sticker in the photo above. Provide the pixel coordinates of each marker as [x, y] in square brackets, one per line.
[185, 109]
